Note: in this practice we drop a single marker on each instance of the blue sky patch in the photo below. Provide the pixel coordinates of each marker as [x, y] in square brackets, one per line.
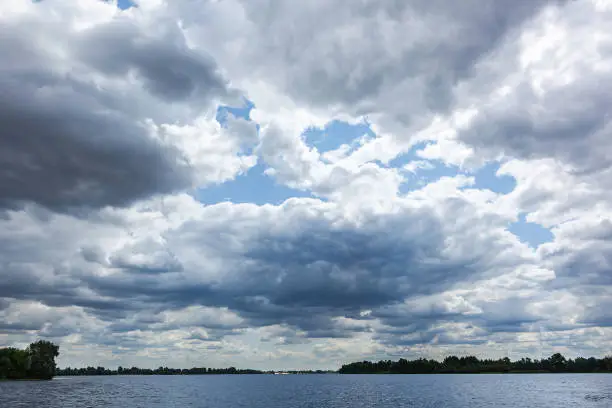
[243, 112]
[252, 187]
[335, 134]
[125, 4]
[531, 233]
[486, 178]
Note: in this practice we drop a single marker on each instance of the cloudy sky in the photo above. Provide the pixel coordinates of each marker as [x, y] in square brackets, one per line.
[285, 184]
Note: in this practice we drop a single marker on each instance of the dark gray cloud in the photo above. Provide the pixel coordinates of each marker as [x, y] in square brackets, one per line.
[569, 124]
[346, 267]
[27, 281]
[599, 304]
[24, 316]
[437, 337]
[169, 69]
[72, 118]
[310, 270]
[73, 156]
[426, 320]
[20, 327]
[507, 315]
[405, 56]
[557, 104]
[582, 260]
[303, 273]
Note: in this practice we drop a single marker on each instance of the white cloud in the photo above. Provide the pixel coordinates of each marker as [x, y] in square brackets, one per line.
[109, 123]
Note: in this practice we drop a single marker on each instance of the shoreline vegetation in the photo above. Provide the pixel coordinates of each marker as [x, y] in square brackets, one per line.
[556, 363]
[90, 371]
[37, 362]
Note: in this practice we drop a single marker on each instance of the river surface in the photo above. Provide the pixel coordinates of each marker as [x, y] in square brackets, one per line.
[316, 391]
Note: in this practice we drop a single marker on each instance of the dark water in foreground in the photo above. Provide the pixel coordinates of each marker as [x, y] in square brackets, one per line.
[316, 391]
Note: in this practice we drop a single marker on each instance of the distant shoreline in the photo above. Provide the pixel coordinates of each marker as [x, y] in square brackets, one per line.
[165, 371]
[337, 373]
[37, 362]
[312, 373]
[556, 363]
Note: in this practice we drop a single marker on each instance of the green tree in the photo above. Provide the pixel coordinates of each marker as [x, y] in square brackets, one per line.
[14, 363]
[42, 359]
[557, 362]
[607, 363]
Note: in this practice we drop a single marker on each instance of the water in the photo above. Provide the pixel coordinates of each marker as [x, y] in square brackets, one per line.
[316, 391]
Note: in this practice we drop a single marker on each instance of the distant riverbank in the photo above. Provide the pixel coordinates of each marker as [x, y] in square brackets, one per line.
[37, 362]
[556, 363]
[174, 371]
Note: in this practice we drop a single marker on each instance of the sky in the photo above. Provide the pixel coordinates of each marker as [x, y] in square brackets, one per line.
[276, 184]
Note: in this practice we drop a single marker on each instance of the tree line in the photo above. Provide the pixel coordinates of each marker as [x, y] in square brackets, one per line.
[36, 362]
[68, 371]
[556, 363]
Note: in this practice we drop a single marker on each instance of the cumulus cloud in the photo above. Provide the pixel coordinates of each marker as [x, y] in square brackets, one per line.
[356, 56]
[302, 264]
[108, 124]
[554, 105]
[86, 92]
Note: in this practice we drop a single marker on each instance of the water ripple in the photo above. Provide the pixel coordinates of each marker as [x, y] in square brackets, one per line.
[313, 391]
